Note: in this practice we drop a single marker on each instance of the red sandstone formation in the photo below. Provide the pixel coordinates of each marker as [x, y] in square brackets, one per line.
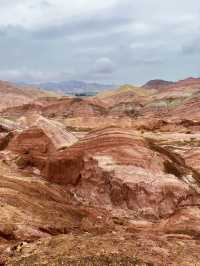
[39, 138]
[107, 180]
[142, 178]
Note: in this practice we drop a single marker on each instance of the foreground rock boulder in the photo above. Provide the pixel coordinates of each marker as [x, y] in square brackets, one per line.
[119, 170]
[39, 138]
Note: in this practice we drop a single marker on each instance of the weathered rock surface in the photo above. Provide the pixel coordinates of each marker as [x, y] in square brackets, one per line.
[122, 189]
[38, 138]
[123, 170]
[7, 125]
[109, 249]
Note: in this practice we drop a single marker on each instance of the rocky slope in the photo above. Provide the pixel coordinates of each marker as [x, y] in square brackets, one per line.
[11, 95]
[107, 180]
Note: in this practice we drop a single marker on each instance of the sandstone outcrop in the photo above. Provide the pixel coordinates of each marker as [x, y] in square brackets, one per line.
[7, 125]
[38, 138]
[112, 179]
[123, 170]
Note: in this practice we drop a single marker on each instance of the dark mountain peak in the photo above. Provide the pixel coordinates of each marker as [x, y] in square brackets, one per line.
[157, 83]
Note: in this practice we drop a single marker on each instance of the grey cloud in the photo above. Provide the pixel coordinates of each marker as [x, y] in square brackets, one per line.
[34, 75]
[81, 26]
[42, 4]
[104, 65]
[131, 42]
[191, 48]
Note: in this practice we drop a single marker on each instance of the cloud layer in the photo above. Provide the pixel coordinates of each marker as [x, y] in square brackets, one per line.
[111, 41]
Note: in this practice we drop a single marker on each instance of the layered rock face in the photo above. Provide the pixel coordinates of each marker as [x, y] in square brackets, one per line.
[124, 171]
[39, 138]
[107, 180]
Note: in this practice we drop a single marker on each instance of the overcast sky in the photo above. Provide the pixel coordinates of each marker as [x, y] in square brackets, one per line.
[112, 41]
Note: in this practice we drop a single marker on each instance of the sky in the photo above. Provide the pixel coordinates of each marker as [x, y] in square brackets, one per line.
[107, 41]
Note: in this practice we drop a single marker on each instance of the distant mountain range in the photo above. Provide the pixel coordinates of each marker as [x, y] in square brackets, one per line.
[72, 87]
